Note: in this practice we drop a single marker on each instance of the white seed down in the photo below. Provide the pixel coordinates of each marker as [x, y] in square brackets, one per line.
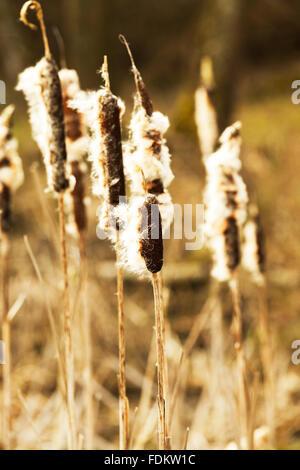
[222, 176]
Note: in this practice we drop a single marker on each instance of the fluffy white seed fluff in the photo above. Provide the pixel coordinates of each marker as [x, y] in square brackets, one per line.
[29, 83]
[87, 103]
[11, 174]
[130, 239]
[70, 85]
[224, 184]
[250, 252]
[142, 165]
[206, 121]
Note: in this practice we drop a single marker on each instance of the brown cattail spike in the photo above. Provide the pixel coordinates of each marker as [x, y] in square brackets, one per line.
[110, 129]
[35, 6]
[151, 235]
[78, 197]
[52, 97]
[140, 85]
[5, 200]
[232, 246]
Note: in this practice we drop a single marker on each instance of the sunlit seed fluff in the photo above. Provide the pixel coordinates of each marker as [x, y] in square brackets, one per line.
[226, 203]
[11, 170]
[103, 112]
[147, 159]
[141, 239]
[253, 250]
[42, 89]
[205, 113]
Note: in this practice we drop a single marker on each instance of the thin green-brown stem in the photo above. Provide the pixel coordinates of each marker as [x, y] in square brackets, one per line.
[123, 400]
[160, 352]
[69, 359]
[243, 393]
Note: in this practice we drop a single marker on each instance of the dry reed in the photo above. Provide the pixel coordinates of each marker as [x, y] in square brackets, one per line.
[42, 89]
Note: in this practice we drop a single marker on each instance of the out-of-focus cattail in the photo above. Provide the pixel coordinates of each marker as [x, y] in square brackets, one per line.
[147, 158]
[253, 258]
[42, 89]
[226, 204]
[205, 113]
[11, 178]
[11, 171]
[226, 211]
[77, 142]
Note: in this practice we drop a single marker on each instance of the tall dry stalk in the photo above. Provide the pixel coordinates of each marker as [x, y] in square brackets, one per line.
[160, 351]
[226, 201]
[11, 177]
[147, 164]
[243, 392]
[103, 112]
[42, 89]
[76, 142]
[254, 262]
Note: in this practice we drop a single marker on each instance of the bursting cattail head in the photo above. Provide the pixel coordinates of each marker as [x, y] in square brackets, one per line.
[103, 112]
[11, 170]
[77, 147]
[253, 258]
[205, 113]
[42, 89]
[147, 158]
[226, 203]
[141, 239]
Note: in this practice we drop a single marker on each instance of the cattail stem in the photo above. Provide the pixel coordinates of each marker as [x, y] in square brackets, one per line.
[35, 6]
[6, 341]
[160, 352]
[266, 355]
[123, 400]
[69, 360]
[87, 372]
[243, 392]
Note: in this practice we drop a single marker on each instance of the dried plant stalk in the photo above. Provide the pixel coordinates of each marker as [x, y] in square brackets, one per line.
[76, 140]
[42, 88]
[160, 351]
[254, 262]
[243, 393]
[11, 177]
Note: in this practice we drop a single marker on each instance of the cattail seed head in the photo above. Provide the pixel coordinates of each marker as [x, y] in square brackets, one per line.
[226, 204]
[253, 258]
[77, 142]
[205, 113]
[147, 159]
[151, 235]
[11, 171]
[42, 89]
